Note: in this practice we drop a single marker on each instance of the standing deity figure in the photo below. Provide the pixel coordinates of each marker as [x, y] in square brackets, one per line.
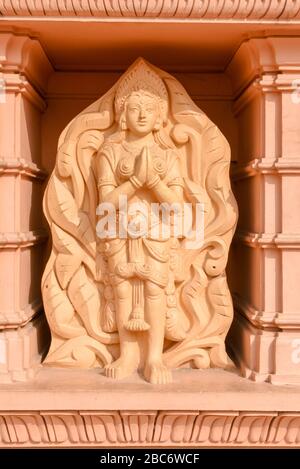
[134, 280]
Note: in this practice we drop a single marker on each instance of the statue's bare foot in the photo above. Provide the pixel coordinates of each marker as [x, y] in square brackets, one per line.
[121, 368]
[157, 373]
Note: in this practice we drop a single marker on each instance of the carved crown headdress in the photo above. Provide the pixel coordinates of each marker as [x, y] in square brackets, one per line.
[141, 78]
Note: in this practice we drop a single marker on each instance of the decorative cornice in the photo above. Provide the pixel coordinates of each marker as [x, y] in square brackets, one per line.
[279, 10]
[268, 240]
[146, 429]
[22, 239]
[266, 319]
[23, 167]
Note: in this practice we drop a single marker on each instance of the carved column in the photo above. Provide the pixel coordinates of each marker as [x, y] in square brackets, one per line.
[266, 255]
[24, 69]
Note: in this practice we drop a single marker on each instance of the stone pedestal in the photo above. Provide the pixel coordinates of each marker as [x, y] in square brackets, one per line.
[200, 409]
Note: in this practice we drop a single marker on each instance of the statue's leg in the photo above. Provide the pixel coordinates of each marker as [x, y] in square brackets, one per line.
[129, 350]
[128, 360]
[155, 307]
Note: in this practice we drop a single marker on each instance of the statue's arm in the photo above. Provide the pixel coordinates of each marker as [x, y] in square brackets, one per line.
[167, 194]
[108, 189]
[170, 191]
[111, 195]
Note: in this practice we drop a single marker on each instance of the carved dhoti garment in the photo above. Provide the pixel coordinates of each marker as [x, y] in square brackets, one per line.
[143, 257]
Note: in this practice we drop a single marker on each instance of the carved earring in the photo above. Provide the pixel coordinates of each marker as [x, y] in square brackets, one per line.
[157, 125]
[123, 125]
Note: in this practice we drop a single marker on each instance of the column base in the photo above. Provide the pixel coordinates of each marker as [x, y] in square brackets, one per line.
[22, 349]
[271, 355]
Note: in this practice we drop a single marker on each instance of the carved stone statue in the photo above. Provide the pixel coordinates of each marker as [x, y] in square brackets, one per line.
[127, 285]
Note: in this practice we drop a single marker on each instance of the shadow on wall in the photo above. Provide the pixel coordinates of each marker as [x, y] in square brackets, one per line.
[33, 256]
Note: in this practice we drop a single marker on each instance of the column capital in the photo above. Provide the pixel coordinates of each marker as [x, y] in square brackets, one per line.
[257, 57]
[23, 54]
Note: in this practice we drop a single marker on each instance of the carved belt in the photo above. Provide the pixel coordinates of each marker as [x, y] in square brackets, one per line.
[128, 270]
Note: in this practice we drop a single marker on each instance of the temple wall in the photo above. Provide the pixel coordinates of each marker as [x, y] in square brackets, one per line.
[254, 99]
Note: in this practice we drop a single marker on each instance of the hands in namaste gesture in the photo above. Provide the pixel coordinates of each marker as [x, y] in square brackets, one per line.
[144, 170]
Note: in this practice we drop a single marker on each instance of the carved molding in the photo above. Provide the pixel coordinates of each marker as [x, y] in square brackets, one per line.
[164, 428]
[256, 166]
[266, 319]
[22, 348]
[26, 56]
[262, 65]
[268, 240]
[23, 167]
[20, 318]
[262, 85]
[262, 88]
[18, 83]
[265, 348]
[280, 10]
[22, 239]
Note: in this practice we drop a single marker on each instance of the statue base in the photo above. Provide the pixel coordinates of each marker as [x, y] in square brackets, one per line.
[201, 408]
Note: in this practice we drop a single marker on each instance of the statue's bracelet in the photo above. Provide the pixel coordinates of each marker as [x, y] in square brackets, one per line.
[154, 181]
[135, 182]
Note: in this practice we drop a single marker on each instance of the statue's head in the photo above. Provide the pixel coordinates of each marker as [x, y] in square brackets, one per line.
[141, 101]
[142, 113]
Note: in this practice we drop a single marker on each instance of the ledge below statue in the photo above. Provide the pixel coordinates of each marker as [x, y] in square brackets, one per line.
[63, 408]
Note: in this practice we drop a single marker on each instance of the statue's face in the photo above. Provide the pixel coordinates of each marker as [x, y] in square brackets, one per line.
[142, 113]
